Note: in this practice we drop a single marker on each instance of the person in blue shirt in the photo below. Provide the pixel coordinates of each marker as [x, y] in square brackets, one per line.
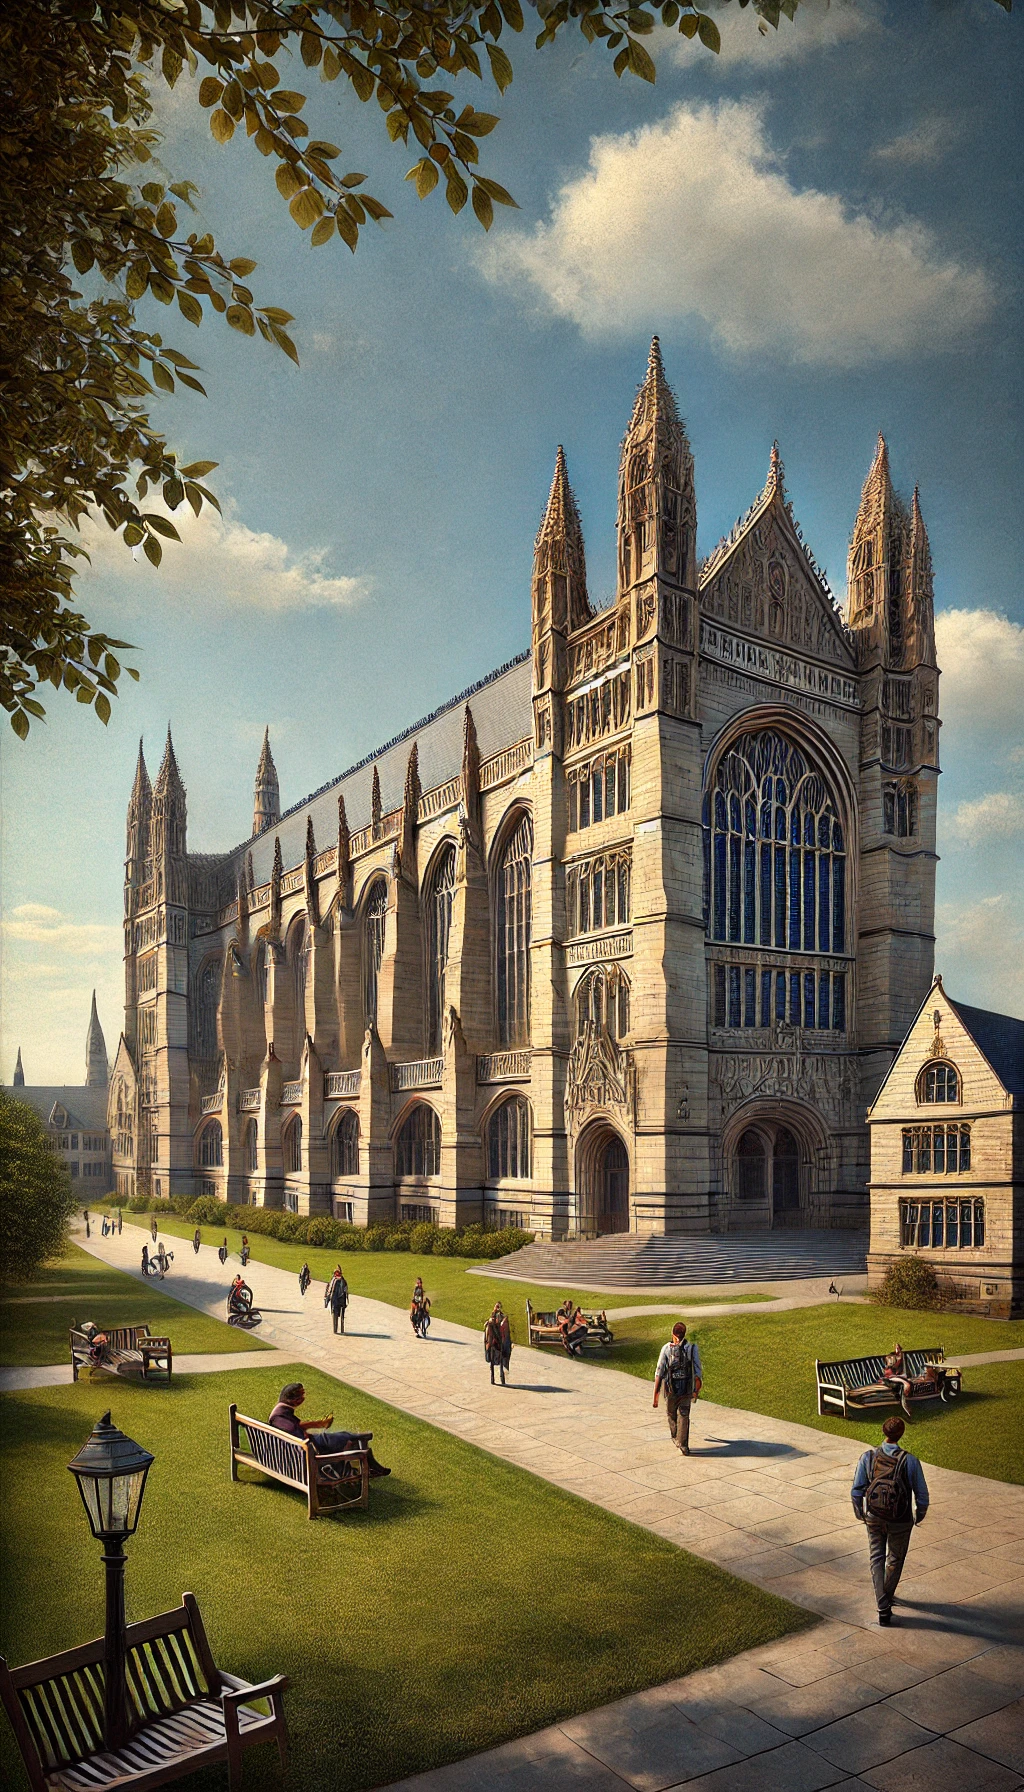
[887, 1487]
[679, 1373]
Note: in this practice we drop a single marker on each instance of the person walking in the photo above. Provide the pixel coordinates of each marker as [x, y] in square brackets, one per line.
[339, 1300]
[245, 1249]
[153, 1228]
[419, 1309]
[679, 1372]
[104, 1228]
[497, 1342]
[305, 1277]
[163, 1259]
[120, 1221]
[888, 1486]
[197, 1239]
[222, 1251]
[85, 1216]
[145, 1259]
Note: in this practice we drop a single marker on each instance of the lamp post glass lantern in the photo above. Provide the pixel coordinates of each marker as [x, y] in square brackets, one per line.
[111, 1474]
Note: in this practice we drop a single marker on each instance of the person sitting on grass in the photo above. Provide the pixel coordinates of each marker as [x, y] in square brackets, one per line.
[285, 1418]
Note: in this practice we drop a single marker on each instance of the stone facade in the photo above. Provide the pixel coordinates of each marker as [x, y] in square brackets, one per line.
[75, 1116]
[626, 936]
[947, 1155]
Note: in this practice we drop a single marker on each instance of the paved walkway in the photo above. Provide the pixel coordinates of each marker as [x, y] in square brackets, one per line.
[933, 1705]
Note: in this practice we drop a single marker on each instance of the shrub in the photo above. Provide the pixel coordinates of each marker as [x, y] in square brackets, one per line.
[322, 1231]
[375, 1238]
[397, 1240]
[910, 1282]
[138, 1204]
[36, 1196]
[206, 1210]
[446, 1243]
[423, 1238]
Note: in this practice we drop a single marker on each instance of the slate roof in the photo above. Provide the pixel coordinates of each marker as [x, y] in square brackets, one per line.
[85, 1105]
[1001, 1038]
[502, 713]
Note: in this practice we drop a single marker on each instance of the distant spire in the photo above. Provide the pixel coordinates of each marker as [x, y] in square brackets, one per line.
[344, 849]
[559, 558]
[876, 566]
[97, 1073]
[876, 497]
[776, 481]
[655, 399]
[471, 776]
[19, 1072]
[375, 809]
[657, 516]
[141, 788]
[267, 797]
[312, 893]
[920, 602]
[168, 778]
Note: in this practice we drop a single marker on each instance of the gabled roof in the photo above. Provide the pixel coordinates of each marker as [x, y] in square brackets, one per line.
[86, 1107]
[1000, 1038]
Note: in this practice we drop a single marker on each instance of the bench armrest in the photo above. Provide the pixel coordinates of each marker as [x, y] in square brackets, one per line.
[241, 1693]
[149, 1346]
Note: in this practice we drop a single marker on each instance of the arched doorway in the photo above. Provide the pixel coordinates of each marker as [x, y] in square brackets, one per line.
[602, 1182]
[769, 1166]
[785, 1178]
[751, 1166]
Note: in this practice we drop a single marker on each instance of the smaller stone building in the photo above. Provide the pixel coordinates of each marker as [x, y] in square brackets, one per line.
[947, 1155]
[75, 1116]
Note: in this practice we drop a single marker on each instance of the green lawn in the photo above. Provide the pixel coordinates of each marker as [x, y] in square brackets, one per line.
[389, 1276]
[472, 1603]
[766, 1365]
[35, 1316]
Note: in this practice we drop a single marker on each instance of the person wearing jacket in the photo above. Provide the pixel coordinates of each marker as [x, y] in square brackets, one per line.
[498, 1342]
[679, 1372]
[887, 1487]
[339, 1300]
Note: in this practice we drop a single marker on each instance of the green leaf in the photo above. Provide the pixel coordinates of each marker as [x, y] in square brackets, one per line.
[483, 207]
[20, 724]
[112, 667]
[375, 209]
[425, 176]
[501, 67]
[498, 194]
[136, 280]
[163, 377]
[312, 49]
[641, 62]
[351, 180]
[185, 379]
[274, 315]
[290, 350]
[710, 36]
[167, 220]
[512, 13]
[233, 100]
[152, 192]
[162, 526]
[198, 469]
[102, 707]
[688, 25]
[82, 255]
[458, 192]
[189, 307]
[347, 230]
[133, 535]
[174, 493]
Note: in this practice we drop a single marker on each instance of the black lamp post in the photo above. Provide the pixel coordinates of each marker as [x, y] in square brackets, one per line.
[111, 1473]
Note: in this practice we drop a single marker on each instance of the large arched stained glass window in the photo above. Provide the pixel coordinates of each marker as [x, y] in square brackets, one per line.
[418, 1145]
[211, 1146]
[602, 996]
[513, 895]
[440, 896]
[291, 1147]
[207, 997]
[345, 1145]
[302, 947]
[508, 1140]
[774, 850]
[373, 946]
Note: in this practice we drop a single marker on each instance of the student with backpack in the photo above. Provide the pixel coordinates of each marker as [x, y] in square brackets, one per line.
[679, 1372]
[888, 1485]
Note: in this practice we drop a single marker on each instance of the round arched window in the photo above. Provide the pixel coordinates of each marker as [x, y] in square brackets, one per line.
[938, 1082]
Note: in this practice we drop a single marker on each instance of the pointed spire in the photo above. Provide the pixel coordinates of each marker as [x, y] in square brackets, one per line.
[876, 497]
[266, 809]
[875, 571]
[657, 519]
[920, 601]
[344, 850]
[97, 1073]
[559, 559]
[19, 1072]
[276, 874]
[312, 893]
[471, 776]
[776, 481]
[375, 810]
[168, 778]
[141, 788]
[410, 811]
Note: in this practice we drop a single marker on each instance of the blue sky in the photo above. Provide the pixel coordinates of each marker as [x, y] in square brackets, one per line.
[824, 228]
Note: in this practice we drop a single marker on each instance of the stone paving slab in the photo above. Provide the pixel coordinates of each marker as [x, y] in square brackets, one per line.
[952, 1660]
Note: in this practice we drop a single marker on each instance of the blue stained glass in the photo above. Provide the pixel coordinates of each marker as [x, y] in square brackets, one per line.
[823, 982]
[809, 1009]
[719, 886]
[780, 896]
[706, 811]
[749, 890]
[707, 879]
[808, 830]
[839, 905]
[766, 820]
[794, 828]
[837, 837]
[824, 905]
[751, 819]
[839, 1003]
[734, 995]
[766, 998]
[766, 895]
[780, 824]
[794, 998]
[721, 816]
[781, 793]
[749, 998]
[794, 902]
[735, 814]
[780, 995]
[824, 832]
[734, 887]
[808, 902]
[937, 1226]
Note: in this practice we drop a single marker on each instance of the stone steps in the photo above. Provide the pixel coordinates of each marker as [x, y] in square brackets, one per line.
[625, 1261]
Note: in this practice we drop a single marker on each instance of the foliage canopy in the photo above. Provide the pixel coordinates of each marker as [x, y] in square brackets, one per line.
[78, 370]
[36, 1197]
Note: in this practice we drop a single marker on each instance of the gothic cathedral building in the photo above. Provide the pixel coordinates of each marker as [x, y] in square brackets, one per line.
[625, 938]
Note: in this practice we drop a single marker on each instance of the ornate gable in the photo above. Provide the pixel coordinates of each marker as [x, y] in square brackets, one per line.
[763, 581]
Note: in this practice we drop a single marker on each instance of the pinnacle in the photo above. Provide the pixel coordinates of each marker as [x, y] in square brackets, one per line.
[168, 772]
[776, 471]
[141, 784]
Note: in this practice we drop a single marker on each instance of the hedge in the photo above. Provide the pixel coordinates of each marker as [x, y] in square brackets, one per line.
[319, 1229]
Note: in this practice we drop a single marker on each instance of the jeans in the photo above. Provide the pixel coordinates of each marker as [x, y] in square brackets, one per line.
[887, 1548]
[678, 1411]
[339, 1320]
[328, 1443]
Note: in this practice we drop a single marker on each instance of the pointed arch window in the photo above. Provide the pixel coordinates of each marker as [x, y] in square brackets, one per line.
[899, 809]
[211, 1146]
[602, 997]
[514, 895]
[374, 918]
[440, 897]
[252, 1148]
[345, 1145]
[302, 951]
[418, 1145]
[508, 1141]
[207, 997]
[774, 850]
[291, 1147]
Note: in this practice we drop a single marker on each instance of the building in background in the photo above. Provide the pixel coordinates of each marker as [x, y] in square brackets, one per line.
[624, 938]
[947, 1155]
[75, 1116]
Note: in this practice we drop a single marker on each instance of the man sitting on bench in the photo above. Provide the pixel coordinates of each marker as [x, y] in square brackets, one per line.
[285, 1418]
[895, 1373]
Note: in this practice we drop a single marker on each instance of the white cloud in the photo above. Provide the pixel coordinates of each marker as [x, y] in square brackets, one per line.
[922, 146]
[817, 26]
[979, 949]
[999, 816]
[694, 217]
[33, 924]
[220, 560]
[981, 655]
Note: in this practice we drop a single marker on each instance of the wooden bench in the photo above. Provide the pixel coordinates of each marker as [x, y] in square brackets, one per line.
[856, 1385]
[544, 1328]
[184, 1711]
[295, 1462]
[129, 1350]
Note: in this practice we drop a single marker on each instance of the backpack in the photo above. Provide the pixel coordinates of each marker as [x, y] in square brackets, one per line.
[888, 1492]
[680, 1369]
